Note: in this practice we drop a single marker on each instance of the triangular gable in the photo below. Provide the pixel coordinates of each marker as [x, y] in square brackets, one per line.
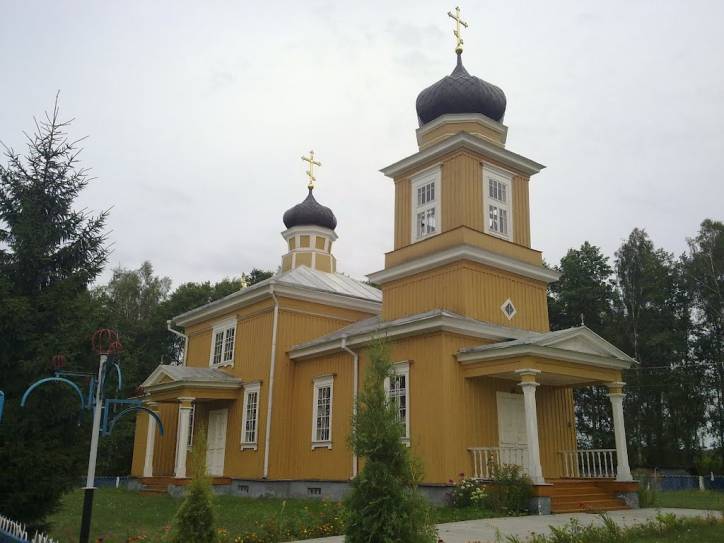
[582, 340]
[158, 376]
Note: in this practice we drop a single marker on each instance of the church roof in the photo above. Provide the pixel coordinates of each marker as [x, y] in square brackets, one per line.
[301, 281]
[364, 331]
[460, 92]
[167, 374]
[310, 213]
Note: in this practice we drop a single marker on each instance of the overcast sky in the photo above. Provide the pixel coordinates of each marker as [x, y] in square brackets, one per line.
[198, 113]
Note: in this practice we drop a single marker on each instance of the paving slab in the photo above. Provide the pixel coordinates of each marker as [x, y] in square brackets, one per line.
[494, 529]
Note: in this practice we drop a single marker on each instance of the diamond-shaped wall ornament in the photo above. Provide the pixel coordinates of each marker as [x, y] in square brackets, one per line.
[508, 309]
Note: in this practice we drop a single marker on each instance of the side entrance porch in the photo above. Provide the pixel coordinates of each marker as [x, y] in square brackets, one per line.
[539, 375]
[184, 398]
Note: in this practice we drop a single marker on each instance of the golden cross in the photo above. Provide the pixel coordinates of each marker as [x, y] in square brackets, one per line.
[310, 171]
[458, 22]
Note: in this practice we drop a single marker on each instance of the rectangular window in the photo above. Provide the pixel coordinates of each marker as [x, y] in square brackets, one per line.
[426, 204]
[497, 201]
[397, 390]
[222, 345]
[250, 418]
[322, 412]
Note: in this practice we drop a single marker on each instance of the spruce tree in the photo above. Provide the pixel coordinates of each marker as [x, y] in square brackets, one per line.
[384, 505]
[195, 518]
[49, 253]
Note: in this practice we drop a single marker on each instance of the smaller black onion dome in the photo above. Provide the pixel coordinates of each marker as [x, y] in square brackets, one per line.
[460, 92]
[310, 213]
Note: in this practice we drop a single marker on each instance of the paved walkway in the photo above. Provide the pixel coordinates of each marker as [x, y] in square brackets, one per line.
[486, 530]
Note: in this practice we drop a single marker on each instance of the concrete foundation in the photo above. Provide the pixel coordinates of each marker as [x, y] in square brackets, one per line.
[539, 505]
[327, 490]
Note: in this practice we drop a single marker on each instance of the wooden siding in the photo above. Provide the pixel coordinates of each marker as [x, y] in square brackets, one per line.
[556, 426]
[463, 235]
[139, 445]
[471, 289]
[461, 198]
[164, 451]
[449, 129]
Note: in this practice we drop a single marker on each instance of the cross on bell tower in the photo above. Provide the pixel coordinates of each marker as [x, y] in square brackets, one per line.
[310, 172]
[458, 23]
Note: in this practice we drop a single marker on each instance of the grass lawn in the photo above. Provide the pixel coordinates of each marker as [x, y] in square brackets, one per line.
[119, 514]
[691, 499]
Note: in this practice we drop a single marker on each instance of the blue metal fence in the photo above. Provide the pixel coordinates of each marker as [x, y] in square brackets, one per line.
[668, 482]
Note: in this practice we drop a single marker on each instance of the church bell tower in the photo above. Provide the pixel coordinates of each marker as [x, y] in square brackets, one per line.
[462, 216]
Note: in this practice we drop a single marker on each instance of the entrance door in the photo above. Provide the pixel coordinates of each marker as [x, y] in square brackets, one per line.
[512, 436]
[216, 442]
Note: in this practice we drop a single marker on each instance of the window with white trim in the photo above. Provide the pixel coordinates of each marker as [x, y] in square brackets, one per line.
[222, 344]
[250, 417]
[426, 204]
[397, 388]
[497, 188]
[322, 412]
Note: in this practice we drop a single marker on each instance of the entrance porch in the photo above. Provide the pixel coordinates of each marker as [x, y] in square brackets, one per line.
[183, 398]
[570, 478]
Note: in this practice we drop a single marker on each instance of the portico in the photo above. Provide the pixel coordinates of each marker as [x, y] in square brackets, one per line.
[555, 360]
[174, 393]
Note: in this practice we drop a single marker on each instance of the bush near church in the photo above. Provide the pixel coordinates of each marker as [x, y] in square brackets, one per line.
[507, 492]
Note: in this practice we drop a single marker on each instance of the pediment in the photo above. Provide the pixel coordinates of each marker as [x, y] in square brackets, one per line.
[159, 376]
[584, 340]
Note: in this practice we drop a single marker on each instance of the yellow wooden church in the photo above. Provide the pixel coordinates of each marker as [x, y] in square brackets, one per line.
[271, 371]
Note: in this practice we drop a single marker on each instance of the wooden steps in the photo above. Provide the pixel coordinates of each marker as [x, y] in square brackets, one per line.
[158, 486]
[570, 496]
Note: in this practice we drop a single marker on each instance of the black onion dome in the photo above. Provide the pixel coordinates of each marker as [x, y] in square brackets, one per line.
[460, 92]
[310, 213]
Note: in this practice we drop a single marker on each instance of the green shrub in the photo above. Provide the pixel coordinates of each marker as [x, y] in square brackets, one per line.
[467, 492]
[195, 518]
[609, 532]
[509, 490]
[384, 505]
[647, 492]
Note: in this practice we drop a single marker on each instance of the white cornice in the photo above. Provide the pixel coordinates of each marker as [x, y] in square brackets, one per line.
[205, 385]
[302, 230]
[463, 140]
[432, 323]
[466, 252]
[552, 353]
[461, 118]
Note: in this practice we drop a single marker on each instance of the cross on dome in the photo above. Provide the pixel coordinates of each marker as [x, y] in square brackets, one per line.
[310, 172]
[458, 23]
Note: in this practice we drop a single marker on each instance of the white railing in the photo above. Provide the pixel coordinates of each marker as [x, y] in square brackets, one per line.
[17, 531]
[486, 458]
[589, 463]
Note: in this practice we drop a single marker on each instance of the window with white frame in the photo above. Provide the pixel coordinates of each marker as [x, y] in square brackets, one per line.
[222, 344]
[397, 388]
[250, 417]
[497, 188]
[426, 204]
[322, 412]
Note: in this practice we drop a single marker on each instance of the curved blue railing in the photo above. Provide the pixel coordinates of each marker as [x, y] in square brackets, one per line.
[136, 408]
[51, 379]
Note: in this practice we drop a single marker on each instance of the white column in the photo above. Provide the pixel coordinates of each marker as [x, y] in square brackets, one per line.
[528, 384]
[182, 436]
[616, 395]
[150, 443]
